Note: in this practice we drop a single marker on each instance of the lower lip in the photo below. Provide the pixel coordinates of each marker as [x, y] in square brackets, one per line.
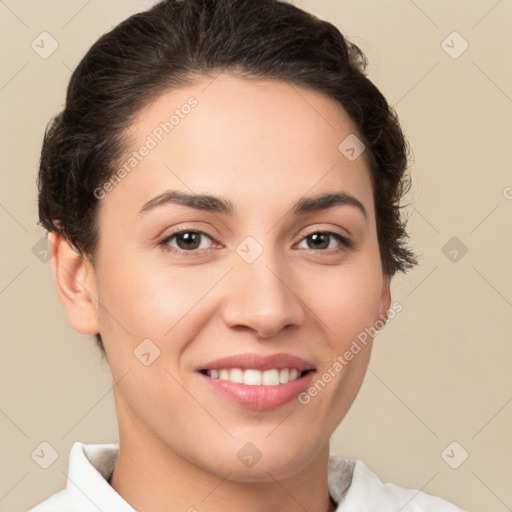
[260, 397]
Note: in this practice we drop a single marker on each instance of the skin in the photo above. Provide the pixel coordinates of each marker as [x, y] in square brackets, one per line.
[263, 145]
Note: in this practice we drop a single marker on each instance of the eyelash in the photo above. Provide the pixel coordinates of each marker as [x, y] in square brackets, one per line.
[164, 242]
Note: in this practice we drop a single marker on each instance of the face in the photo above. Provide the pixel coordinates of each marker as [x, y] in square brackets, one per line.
[256, 276]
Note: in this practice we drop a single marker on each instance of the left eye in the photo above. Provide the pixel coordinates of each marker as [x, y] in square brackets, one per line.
[318, 240]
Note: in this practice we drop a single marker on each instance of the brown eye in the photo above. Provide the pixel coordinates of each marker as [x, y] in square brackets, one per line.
[186, 240]
[320, 240]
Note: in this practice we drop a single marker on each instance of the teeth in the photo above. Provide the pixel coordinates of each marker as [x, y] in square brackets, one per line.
[270, 378]
[256, 377]
[252, 377]
[236, 375]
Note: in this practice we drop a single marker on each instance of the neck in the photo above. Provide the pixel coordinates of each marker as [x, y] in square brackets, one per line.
[150, 476]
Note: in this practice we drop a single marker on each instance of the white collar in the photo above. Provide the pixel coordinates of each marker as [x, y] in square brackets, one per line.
[352, 485]
[90, 468]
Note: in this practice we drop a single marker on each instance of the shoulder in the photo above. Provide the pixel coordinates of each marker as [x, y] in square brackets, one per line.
[58, 502]
[89, 468]
[366, 493]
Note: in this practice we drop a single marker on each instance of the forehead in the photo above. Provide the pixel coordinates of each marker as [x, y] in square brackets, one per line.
[252, 138]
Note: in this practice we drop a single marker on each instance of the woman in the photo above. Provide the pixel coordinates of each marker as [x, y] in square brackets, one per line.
[222, 196]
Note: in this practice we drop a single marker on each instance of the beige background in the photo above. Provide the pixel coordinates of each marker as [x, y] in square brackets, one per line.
[440, 371]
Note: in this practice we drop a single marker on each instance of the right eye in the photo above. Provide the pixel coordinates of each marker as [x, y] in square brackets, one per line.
[186, 241]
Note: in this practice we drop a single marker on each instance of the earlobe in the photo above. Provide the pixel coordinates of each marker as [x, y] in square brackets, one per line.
[75, 282]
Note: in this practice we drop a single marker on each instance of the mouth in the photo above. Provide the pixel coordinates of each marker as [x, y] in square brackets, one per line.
[254, 377]
[257, 382]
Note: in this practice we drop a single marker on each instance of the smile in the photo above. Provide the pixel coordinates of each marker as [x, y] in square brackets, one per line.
[253, 377]
[258, 382]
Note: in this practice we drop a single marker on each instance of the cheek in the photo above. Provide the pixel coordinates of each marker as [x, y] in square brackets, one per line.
[348, 300]
[150, 301]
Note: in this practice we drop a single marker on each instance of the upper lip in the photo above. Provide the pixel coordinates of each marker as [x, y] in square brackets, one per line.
[257, 362]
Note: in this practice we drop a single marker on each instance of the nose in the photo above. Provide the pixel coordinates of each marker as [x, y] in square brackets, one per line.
[260, 297]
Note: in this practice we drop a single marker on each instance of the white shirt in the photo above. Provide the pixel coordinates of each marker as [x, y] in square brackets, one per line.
[353, 486]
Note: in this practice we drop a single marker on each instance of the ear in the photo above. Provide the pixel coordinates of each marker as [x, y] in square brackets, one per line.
[75, 281]
[385, 298]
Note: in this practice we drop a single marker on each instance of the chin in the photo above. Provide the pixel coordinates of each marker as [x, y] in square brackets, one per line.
[251, 465]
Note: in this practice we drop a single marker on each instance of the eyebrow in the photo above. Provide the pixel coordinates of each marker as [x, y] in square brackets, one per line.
[215, 204]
